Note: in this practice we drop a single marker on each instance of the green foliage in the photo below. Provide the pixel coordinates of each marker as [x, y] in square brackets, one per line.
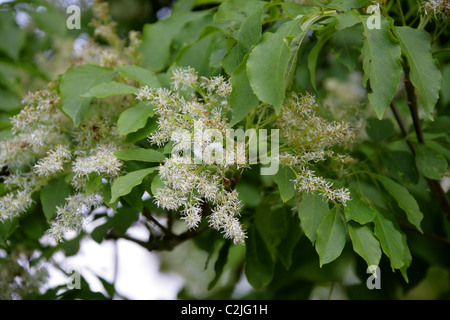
[76, 82]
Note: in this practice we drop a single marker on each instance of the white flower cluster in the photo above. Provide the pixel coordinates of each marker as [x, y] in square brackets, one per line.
[46, 145]
[14, 203]
[34, 128]
[311, 138]
[71, 216]
[41, 141]
[189, 186]
[101, 161]
[53, 162]
[436, 7]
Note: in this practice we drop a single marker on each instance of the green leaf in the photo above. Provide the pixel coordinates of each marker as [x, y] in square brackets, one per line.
[77, 81]
[93, 183]
[391, 240]
[358, 209]
[296, 29]
[13, 37]
[157, 183]
[157, 38]
[242, 97]
[248, 36]
[141, 75]
[250, 32]
[364, 243]
[404, 200]
[424, 73]
[400, 165]
[143, 133]
[124, 218]
[346, 46]
[347, 20]
[345, 5]
[381, 64]
[220, 263]
[140, 154]
[259, 266]
[53, 195]
[323, 35]
[311, 212]
[331, 236]
[237, 10]
[124, 184]
[249, 194]
[379, 130]
[430, 163]
[407, 258]
[199, 54]
[267, 67]
[135, 117]
[108, 89]
[283, 178]
[291, 236]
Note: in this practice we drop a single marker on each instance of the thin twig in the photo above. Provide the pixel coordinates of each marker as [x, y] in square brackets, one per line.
[429, 235]
[434, 185]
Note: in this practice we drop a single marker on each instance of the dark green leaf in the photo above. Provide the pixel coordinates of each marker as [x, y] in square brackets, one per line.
[379, 130]
[140, 154]
[259, 267]
[220, 263]
[54, 194]
[430, 163]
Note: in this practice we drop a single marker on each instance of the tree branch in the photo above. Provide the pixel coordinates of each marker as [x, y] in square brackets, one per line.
[406, 226]
[434, 185]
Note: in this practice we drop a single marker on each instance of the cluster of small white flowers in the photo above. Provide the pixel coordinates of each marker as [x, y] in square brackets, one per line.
[53, 162]
[14, 203]
[193, 124]
[216, 85]
[308, 181]
[311, 138]
[305, 130]
[101, 161]
[45, 139]
[184, 78]
[70, 217]
[435, 6]
[223, 217]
